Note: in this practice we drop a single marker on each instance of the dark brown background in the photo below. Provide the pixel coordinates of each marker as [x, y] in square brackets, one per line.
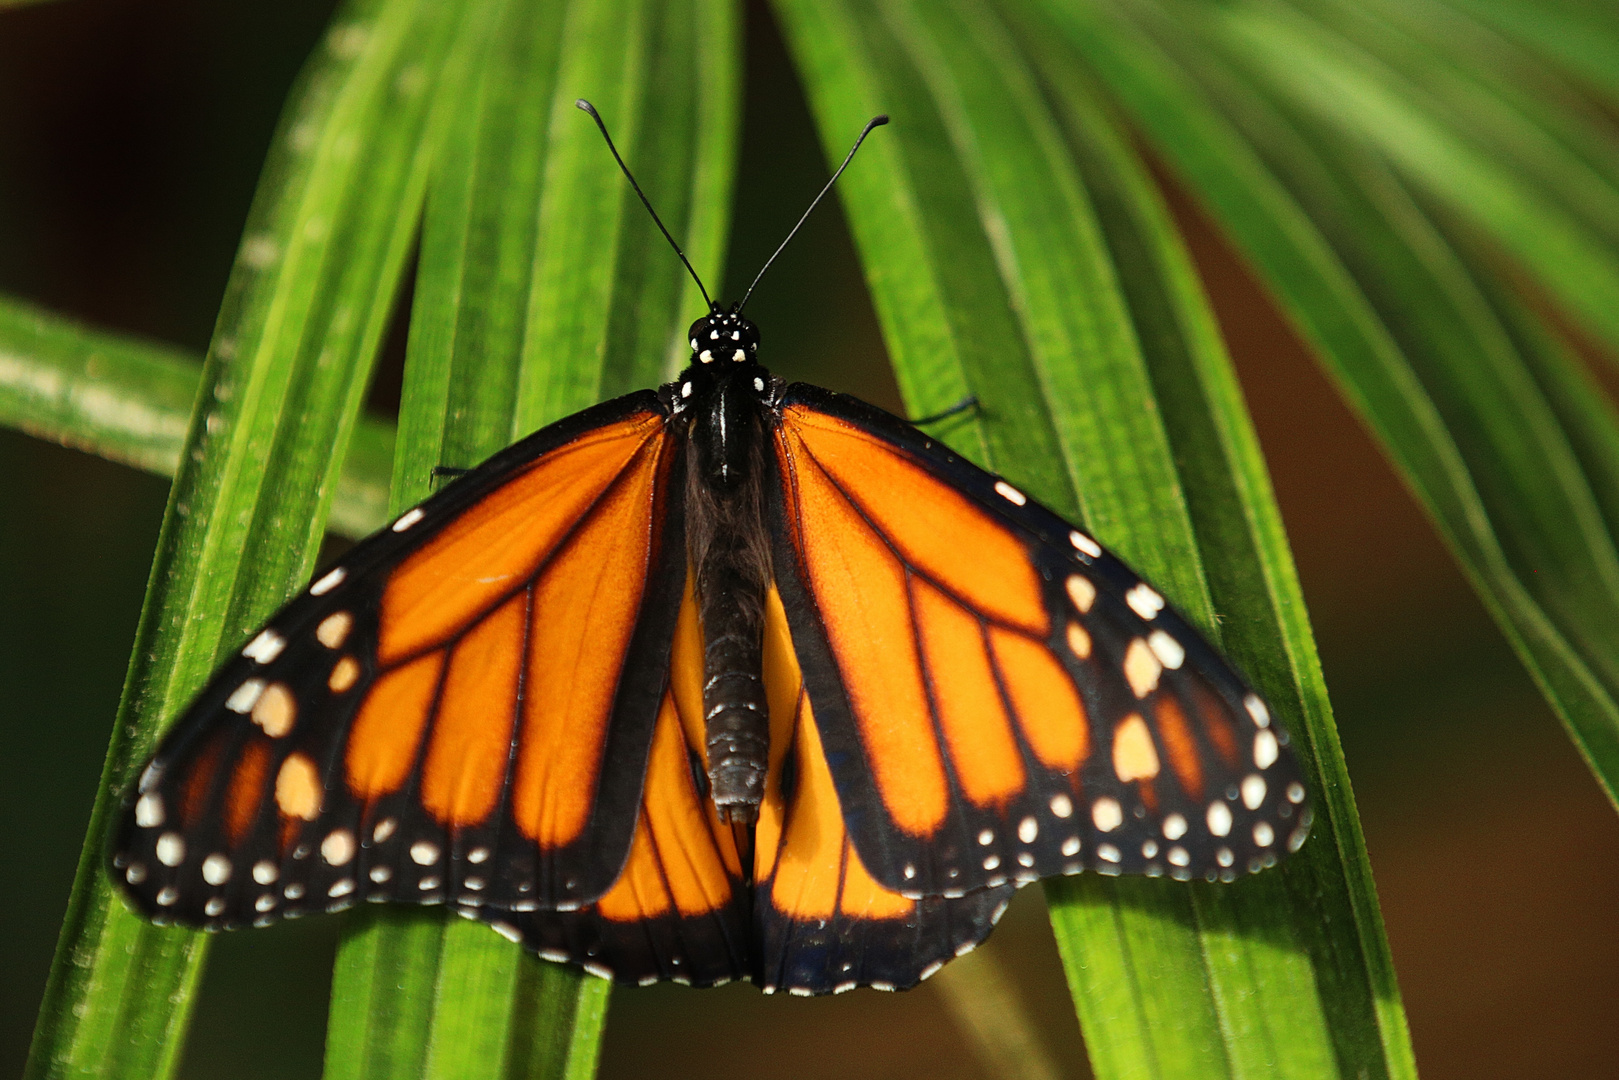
[130, 139]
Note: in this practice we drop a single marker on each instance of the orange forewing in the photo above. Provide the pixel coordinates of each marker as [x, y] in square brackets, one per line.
[511, 626]
[904, 501]
[382, 743]
[865, 603]
[501, 541]
[576, 653]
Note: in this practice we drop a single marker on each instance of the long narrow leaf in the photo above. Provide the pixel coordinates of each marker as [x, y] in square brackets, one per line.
[1325, 897]
[1578, 36]
[1032, 239]
[130, 401]
[281, 388]
[1411, 340]
[543, 287]
[1366, 99]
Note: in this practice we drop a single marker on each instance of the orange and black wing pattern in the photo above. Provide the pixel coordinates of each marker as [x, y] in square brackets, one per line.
[680, 909]
[461, 711]
[498, 704]
[997, 699]
[823, 924]
[800, 916]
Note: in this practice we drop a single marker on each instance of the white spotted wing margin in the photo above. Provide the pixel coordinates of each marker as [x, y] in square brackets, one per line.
[1184, 773]
[243, 816]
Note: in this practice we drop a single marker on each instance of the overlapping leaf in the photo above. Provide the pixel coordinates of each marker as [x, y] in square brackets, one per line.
[308, 300]
[1016, 250]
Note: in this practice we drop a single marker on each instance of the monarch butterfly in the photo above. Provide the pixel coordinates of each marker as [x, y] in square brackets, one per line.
[733, 679]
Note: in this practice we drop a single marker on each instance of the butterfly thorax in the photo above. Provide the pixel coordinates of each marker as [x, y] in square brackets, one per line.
[722, 398]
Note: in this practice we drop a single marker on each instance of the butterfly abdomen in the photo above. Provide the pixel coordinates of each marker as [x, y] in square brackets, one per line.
[730, 554]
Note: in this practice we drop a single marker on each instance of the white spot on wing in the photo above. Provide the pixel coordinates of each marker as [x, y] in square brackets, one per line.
[1070, 846]
[424, 852]
[1257, 710]
[1141, 668]
[1166, 648]
[332, 580]
[171, 849]
[1144, 601]
[407, 519]
[385, 828]
[266, 647]
[1010, 493]
[1265, 749]
[1061, 805]
[1253, 791]
[1107, 814]
[338, 847]
[1081, 591]
[1219, 818]
[1028, 829]
[265, 872]
[1174, 827]
[1084, 543]
[986, 838]
[244, 697]
[1264, 835]
[149, 811]
[216, 869]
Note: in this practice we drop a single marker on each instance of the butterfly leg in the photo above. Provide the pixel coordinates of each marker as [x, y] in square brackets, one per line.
[966, 404]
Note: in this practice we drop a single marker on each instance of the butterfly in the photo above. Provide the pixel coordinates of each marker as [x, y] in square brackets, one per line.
[731, 679]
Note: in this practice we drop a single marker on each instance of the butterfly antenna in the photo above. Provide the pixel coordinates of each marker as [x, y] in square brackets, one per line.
[874, 122]
[586, 106]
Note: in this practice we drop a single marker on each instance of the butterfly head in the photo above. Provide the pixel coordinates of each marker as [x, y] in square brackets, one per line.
[723, 337]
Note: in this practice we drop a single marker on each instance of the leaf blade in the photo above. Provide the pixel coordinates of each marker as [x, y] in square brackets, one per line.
[130, 401]
[242, 523]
